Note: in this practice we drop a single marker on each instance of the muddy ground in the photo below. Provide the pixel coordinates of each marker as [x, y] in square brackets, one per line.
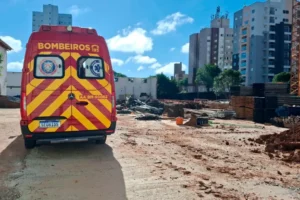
[151, 160]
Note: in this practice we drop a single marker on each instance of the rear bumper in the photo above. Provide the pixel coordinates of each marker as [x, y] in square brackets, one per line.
[68, 136]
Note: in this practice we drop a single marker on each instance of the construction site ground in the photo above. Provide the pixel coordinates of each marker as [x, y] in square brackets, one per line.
[148, 160]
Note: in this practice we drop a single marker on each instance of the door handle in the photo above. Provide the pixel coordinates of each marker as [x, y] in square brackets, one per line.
[82, 103]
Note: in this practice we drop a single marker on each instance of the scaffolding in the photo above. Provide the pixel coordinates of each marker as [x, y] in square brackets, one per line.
[295, 64]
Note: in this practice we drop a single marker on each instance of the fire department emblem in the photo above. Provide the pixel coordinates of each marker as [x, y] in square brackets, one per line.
[48, 67]
[96, 68]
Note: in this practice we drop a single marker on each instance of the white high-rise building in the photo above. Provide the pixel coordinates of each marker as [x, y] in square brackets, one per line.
[262, 40]
[49, 16]
[211, 46]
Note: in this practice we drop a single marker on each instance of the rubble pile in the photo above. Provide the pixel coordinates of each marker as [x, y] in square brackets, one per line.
[135, 105]
[174, 110]
[287, 142]
[9, 102]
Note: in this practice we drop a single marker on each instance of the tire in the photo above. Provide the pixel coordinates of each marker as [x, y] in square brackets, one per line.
[101, 141]
[29, 144]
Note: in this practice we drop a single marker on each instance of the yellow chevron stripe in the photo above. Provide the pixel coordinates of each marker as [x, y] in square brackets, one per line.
[46, 93]
[95, 111]
[69, 128]
[86, 84]
[105, 84]
[75, 56]
[30, 65]
[56, 103]
[35, 124]
[84, 121]
[74, 128]
[65, 55]
[94, 54]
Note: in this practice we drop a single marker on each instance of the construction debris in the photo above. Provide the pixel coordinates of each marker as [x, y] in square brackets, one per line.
[147, 117]
[174, 110]
[286, 141]
[197, 121]
[124, 111]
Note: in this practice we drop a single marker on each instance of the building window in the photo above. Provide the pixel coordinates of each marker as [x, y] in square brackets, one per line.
[287, 46]
[246, 22]
[272, 53]
[272, 28]
[221, 35]
[253, 19]
[272, 45]
[252, 28]
[243, 63]
[272, 36]
[286, 69]
[243, 55]
[244, 32]
[244, 48]
[286, 12]
[287, 62]
[272, 20]
[287, 54]
[272, 11]
[271, 62]
[287, 29]
[285, 20]
[253, 11]
[287, 37]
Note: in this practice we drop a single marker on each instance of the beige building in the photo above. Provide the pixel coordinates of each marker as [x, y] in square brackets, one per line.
[3, 78]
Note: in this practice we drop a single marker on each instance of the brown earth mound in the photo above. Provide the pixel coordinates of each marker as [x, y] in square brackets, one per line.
[286, 141]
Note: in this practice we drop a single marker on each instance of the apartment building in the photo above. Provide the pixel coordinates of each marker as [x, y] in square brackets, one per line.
[50, 16]
[211, 45]
[262, 40]
[4, 48]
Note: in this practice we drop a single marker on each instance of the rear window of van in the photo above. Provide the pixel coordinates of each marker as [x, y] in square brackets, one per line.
[49, 66]
[90, 68]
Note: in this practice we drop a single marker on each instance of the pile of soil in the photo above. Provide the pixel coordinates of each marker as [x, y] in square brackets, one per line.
[286, 141]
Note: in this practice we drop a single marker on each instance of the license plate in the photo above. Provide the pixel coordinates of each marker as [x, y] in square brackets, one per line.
[49, 124]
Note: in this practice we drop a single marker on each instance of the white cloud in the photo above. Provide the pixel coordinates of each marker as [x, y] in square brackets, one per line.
[140, 68]
[141, 59]
[169, 68]
[185, 48]
[172, 49]
[170, 23]
[117, 62]
[155, 65]
[131, 41]
[75, 10]
[15, 66]
[15, 44]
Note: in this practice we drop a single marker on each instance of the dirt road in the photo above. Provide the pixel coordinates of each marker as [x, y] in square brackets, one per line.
[152, 160]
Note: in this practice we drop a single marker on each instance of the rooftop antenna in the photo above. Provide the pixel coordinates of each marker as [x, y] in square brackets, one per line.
[218, 12]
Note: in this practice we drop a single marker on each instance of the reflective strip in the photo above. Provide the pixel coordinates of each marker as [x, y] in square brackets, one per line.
[95, 111]
[46, 93]
[84, 121]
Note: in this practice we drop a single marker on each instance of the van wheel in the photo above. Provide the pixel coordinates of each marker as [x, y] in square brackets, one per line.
[101, 141]
[29, 144]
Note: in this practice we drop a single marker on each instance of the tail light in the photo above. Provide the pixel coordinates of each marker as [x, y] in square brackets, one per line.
[112, 101]
[23, 105]
[113, 106]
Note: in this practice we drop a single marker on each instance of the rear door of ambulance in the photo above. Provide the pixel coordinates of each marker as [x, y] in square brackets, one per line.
[48, 86]
[91, 84]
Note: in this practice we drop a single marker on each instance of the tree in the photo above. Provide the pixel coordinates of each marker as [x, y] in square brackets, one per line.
[205, 75]
[166, 88]
[282, 77]
[225, 80]
[183, 82]
[116, 74]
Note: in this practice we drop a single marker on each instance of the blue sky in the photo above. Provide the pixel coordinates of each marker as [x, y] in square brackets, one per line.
[145, 37]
